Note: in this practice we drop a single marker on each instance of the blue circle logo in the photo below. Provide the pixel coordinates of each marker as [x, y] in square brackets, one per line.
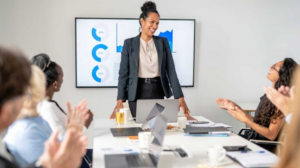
[100, 32]
[100, 52]
[100, 73]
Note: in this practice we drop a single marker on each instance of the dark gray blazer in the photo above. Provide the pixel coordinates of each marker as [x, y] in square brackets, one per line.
[129, 67]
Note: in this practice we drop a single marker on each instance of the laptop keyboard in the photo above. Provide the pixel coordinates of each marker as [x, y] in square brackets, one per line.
[134, 161]
[154, 159]
[132, 131]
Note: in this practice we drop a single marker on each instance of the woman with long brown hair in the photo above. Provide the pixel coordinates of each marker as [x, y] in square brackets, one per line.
[268, 120]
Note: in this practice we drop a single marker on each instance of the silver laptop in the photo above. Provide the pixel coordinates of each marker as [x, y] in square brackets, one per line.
[170, 111]
[148, 124]
[145, 160]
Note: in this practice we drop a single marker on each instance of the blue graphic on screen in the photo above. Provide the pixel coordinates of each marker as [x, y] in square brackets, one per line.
[94, 74]
[94, 34]
[119, 48]
[94, 51]
[169, 36]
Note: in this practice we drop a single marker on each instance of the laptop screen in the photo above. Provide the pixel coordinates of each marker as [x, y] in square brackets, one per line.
[150, 120]
[158, 134]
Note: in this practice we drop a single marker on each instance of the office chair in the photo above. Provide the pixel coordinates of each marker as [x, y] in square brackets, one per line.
[265, 143]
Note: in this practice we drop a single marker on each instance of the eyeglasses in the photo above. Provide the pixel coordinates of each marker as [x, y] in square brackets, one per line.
[274, 67]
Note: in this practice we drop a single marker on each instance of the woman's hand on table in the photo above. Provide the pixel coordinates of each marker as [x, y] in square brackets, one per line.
[118, 106]
[184, 107]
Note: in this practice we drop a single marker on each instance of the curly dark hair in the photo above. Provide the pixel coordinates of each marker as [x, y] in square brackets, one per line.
[148, 7]
[48, 67]
[267, 112]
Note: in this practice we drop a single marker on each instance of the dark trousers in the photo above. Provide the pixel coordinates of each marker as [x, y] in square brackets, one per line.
[146, 91]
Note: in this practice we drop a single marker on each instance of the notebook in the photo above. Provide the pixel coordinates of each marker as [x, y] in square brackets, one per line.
[254, 159]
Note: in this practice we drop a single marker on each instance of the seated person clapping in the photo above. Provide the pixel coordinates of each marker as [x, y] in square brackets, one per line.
[268, 120]
[15, 73]
[26, 137]
[49, 109]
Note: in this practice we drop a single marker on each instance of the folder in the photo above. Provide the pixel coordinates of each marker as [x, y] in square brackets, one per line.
[254, 159]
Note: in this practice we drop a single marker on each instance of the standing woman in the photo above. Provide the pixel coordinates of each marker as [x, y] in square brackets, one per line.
[147, 69]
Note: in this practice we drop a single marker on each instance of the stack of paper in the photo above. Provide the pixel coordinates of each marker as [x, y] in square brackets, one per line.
[211, 125]
[206, 135]
[254, 159]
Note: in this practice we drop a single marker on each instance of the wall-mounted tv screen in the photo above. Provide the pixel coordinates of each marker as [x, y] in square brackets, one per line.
[99, 45]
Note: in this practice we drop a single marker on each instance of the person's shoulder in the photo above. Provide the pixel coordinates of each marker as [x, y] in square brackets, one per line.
[128, 40]
[46, 104]
[25, 127]
[35, 124]
[21, 123]
[37, 127]
[46, 107]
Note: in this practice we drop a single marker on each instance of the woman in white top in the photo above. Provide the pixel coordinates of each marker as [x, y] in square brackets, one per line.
[50, 110]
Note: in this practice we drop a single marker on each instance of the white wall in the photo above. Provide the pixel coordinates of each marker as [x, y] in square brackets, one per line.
[236, 42]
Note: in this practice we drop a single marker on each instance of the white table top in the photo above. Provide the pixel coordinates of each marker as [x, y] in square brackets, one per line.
[196, 147]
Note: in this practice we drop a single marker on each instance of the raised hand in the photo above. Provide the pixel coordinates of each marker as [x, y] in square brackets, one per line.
[239, 114]
[226, 104]
[66, 154]
[87, 114]
[282, 98]
[88, 117]
[75, 118]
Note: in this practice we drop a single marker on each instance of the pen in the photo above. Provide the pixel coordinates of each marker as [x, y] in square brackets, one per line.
[252, 151]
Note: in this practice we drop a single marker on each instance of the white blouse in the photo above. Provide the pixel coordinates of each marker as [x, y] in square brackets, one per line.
[50, 112]
[148, 64]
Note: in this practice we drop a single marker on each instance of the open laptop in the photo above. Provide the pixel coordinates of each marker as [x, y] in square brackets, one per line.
[148, 123]
[171, 109]
[145, 160]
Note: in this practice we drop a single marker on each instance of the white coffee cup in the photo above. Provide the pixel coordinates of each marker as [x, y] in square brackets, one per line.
[216, 154]
[144, 139]
[126, 115]
[182, 122]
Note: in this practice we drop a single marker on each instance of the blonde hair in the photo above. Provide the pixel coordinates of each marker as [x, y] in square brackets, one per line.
[35, 93]
[289, 157]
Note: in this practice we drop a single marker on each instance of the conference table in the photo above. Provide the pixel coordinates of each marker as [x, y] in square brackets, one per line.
[196, 147]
